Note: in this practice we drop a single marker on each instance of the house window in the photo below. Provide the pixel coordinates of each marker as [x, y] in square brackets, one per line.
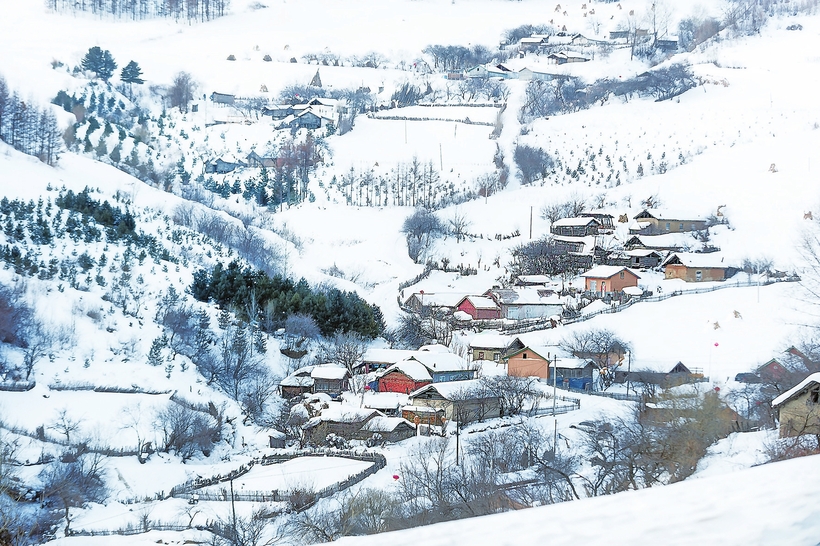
[814, 396]
[681, 226]
[525, 355]
[693, 227]
[592, 285]
[668, 226]
[496, 356]
[481, 355]
[698, 275]
[622, 275]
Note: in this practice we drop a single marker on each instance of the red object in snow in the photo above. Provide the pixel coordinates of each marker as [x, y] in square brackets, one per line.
[716, 343]
[367, 387]
[395, 476]
[717, 389]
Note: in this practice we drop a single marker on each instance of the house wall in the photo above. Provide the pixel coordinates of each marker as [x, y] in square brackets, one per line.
[662, 225]
[575, 231]
[458, 375]
[484, 353]
[399, 382]
[800, 415]
[479, 314]
[613, 284]
[329, 385]
[690, 274]
[533, 365]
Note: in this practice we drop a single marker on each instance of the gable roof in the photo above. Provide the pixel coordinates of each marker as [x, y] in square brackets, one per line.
[606, 272]
[449, 390]
[544, 351]
[577, 221]
[523, 296]
[412, 369]
[329, 371]
[299, 378]
[696, 259]
[387, 424]
[479, 302]
[797, 390]
[573, 363]
[342, 414]
[489, 341]
[441, 362]
[669, 215]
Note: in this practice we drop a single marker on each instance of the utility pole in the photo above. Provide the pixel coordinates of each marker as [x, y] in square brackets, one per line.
[554, 396]
[530, 222]
[233, 509]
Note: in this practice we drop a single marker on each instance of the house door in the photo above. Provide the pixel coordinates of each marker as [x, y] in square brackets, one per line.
[698, 275]
[603, 286]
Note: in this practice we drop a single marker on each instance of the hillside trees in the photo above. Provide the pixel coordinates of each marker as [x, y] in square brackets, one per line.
[533, 163]
[131, 74]
[27, 128]
[180, 10]
[100, 62]
[277, 298]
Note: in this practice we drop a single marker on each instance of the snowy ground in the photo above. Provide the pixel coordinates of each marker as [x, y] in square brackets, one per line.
[756, 109]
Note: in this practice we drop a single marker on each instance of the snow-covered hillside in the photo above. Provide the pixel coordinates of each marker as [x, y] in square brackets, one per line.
[744, 143]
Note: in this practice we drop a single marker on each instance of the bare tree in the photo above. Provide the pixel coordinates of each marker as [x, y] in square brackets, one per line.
[72, 484]
[65, 424]
[345, 350]
[459, 224]
[182, 91]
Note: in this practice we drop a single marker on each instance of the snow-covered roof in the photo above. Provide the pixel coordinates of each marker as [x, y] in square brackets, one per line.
[546, 352]
[412, 369]
[383, 400]
[299, 378]
[441, 362]
[329, 371]
[641, 252]
[797, 389]
[450, 389]
[385, 424]
[535, 279]
[574, 363]
[489, 341]
[386, 356]
[481, 302]
[606, 271]
[438, 299]
[524, 296]
[632, 291]
[671, 215]
[697, 259]
[434, 348]
[574, 222]
[462, 316]
[342, 414]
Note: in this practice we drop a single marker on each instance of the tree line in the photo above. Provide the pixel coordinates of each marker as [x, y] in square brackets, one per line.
[28, 128]
[187, 10]
[268, 300]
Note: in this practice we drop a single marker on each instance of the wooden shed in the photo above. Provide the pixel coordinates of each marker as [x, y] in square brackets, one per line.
[799, 408]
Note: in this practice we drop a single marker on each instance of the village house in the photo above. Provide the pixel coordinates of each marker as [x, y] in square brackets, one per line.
[574, 373]
[564, 57]
[255, 160]
[609, 278]
[404, 377]
[389, 429]
[343, 421]
[539, 281]
[223, 165]
[222, 98]
[605, 220]
[605, 357]
[528, 74]
[531, 361]
[381, 359]
[330, 379]
[652, 222]
[488, 347]
[479, 307]
[697, 267]
[491, 71]
[799, 408]
[661, 243]
[638, 258]
[575, 227]
[297, 383]
[444, 367]
[463, 401]
[433, 300]
[680, 374]
[525, 303]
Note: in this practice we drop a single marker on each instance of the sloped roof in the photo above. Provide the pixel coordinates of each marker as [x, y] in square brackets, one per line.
[329, 371]
[342, 414]
[670, 215]
[481, 302]
[450, 389]
[797, 390]
[434, 348]
[577, 221]
[524, 296]
[441, 362]
[547, 352]
[386, 356]
[412, 369]
[606, 272]
[438, 299]
[489, 341]
[386, 424]
[697, 259]
[299, 378]
[573, 363]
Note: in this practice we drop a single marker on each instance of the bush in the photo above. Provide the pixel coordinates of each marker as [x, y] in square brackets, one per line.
[532, 163]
